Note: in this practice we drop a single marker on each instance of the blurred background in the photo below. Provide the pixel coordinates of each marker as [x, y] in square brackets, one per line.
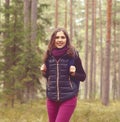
[25, 29]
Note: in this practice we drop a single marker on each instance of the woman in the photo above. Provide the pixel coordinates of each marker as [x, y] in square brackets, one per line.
[63, 70]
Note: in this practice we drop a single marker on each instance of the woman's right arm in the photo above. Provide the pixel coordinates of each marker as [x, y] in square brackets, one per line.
[43, 69]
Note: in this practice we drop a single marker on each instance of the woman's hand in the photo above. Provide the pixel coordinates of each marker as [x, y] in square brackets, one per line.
[72, 70]
[43, 68]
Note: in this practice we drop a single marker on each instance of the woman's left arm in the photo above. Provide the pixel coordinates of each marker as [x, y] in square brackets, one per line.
[80, 74]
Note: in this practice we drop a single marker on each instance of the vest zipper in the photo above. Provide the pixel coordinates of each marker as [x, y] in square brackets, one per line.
[58, 93]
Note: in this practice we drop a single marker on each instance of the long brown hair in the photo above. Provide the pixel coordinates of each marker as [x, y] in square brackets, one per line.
[70, 50]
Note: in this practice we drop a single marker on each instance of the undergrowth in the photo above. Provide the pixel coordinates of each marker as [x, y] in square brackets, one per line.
[85, 111]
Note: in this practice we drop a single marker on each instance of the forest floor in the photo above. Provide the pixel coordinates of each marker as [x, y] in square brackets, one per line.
[86, 111]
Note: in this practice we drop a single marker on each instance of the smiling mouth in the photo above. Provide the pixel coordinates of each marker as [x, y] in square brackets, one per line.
[59, 44]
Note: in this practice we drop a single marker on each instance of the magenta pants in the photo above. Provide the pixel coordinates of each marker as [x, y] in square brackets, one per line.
[61, 111]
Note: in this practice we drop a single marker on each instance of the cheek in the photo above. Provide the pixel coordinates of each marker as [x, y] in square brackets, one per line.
[55, 42]
[65, 42]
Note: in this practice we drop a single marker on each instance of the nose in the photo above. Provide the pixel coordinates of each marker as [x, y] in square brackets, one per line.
[59, 39]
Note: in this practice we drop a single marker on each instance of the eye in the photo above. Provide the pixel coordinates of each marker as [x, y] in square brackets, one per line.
[63, 37]
[57, 37]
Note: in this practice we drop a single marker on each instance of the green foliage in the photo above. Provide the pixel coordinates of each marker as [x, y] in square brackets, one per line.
[29, 64]
[43, 21]
[96, 112]
[19, 58]
[85, 111]
[31, 112]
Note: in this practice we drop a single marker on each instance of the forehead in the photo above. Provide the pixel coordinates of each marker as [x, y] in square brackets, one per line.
[60, 33]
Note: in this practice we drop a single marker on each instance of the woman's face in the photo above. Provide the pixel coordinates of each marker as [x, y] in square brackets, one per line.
[60, 39]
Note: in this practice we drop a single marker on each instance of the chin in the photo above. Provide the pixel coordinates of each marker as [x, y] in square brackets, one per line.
[59, 47]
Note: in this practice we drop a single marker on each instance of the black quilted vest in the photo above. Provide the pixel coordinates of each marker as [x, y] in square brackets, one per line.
[60, 87]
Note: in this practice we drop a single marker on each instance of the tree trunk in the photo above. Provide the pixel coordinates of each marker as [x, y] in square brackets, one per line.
[7, 58]
[33, 22]
[101, 48]
[27, 13]
[56, 13]
[86, 50]
[7, 17]
[66, 14]
[119, 71]
[114, 80]
[71, 20]
[0, 19]
[33, 38]
[92, 53]
[106, 83]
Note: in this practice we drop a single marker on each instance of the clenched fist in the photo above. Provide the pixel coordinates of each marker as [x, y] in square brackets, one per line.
[43, 68]
[72, 70]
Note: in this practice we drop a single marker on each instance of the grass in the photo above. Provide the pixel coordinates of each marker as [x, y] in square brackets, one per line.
[85, 111]
[30, 112]
[96, 112]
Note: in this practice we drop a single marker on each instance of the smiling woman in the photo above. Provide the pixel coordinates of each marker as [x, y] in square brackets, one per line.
[63, 71]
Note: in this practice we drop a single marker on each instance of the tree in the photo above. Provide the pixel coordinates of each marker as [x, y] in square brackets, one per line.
[12, 48]
[86, 49]
[94, 52]
[6, 58]
[119, 73]
[114, 81]
[34, 22]
[66, 14]
[106, 83]
[56, 13]
[101, 48]
[71, 19]
[20, 60]
[91, 91]
[30, 57]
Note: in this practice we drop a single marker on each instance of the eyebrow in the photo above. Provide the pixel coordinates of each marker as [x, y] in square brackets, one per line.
[60, 36]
